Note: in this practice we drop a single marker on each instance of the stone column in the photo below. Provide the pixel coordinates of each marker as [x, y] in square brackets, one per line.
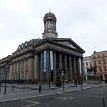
[31, 68]
[36, 65]
[60, 61]
[41, 66]
[54, 66]
[17, 71]
[66, 70]
[82, 71]
[47, 65]
[70, 68]
[21, 70]
[75, 70]
[24, 69]
[78, 68]
[14, 70]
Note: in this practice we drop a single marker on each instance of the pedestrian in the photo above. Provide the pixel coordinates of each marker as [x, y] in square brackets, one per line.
[40, 87]
[75, 82]
[81, 82]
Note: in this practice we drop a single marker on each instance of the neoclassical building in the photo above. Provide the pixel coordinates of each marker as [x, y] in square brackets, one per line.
[38, 60]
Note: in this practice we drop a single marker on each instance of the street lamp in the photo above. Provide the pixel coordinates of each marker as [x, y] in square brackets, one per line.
[6, 69]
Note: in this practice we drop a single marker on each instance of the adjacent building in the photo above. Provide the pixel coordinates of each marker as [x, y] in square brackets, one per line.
[96, 64]
[87, 64]
[99, 60]
[38, 60]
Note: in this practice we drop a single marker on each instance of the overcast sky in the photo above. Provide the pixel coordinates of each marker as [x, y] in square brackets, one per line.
[84, 21]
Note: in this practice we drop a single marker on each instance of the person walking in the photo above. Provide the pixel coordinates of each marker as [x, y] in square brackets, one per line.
[40, 87]
[75, 82]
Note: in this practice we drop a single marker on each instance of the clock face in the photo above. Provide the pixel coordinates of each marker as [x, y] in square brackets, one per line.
[50, 26]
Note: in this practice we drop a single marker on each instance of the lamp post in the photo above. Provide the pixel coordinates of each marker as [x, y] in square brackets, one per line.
[6, 69]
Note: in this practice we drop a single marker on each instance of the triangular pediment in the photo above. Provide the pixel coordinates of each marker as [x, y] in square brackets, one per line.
[63, 42]
[68, 43]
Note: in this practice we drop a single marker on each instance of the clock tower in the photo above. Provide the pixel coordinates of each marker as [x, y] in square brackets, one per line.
[50, 26]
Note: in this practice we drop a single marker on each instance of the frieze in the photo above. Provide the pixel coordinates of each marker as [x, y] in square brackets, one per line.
[57, 48]
[26, 56]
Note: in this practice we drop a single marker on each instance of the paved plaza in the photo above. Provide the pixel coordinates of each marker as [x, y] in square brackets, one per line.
[16, 91]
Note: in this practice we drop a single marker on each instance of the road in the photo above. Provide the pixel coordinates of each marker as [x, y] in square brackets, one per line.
[92, 97]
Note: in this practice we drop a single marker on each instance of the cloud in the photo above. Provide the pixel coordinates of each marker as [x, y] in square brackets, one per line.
[19, 6]
[84, 21]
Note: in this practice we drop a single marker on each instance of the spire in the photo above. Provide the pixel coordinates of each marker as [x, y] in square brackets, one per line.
[49, 26]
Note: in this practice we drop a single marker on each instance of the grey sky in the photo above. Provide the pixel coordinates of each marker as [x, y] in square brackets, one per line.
[84, 21]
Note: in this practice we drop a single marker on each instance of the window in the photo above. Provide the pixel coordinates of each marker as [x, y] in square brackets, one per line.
[103, 55]
[99, 62]
[95, 63]
[104, 68]
[22, 67]
[100, 69]
[86, 63]
[90, 65]
[104, 62]
[98, 55]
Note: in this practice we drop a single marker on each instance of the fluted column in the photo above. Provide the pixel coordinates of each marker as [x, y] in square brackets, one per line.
[75, 70]
[36, 67]
[21, 70]
[17, 71]
[78, 68]
[14, 72]
[65, 63]
[47, 65]
[24, 69]
[41, 66]
[82, 71]
[54, 66]
[31, 68]
[70, 68]
[60, 61]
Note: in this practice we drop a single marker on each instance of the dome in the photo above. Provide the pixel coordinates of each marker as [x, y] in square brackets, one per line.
[49, 16]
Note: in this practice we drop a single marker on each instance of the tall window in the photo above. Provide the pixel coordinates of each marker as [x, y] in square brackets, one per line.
[86, 63]
[99, 62]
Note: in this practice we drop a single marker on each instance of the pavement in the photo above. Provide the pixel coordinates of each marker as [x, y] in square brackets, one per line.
[16, 91]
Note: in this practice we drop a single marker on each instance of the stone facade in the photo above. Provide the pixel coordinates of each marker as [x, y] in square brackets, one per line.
[99, 59]
[87, 65]
[38, 60]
